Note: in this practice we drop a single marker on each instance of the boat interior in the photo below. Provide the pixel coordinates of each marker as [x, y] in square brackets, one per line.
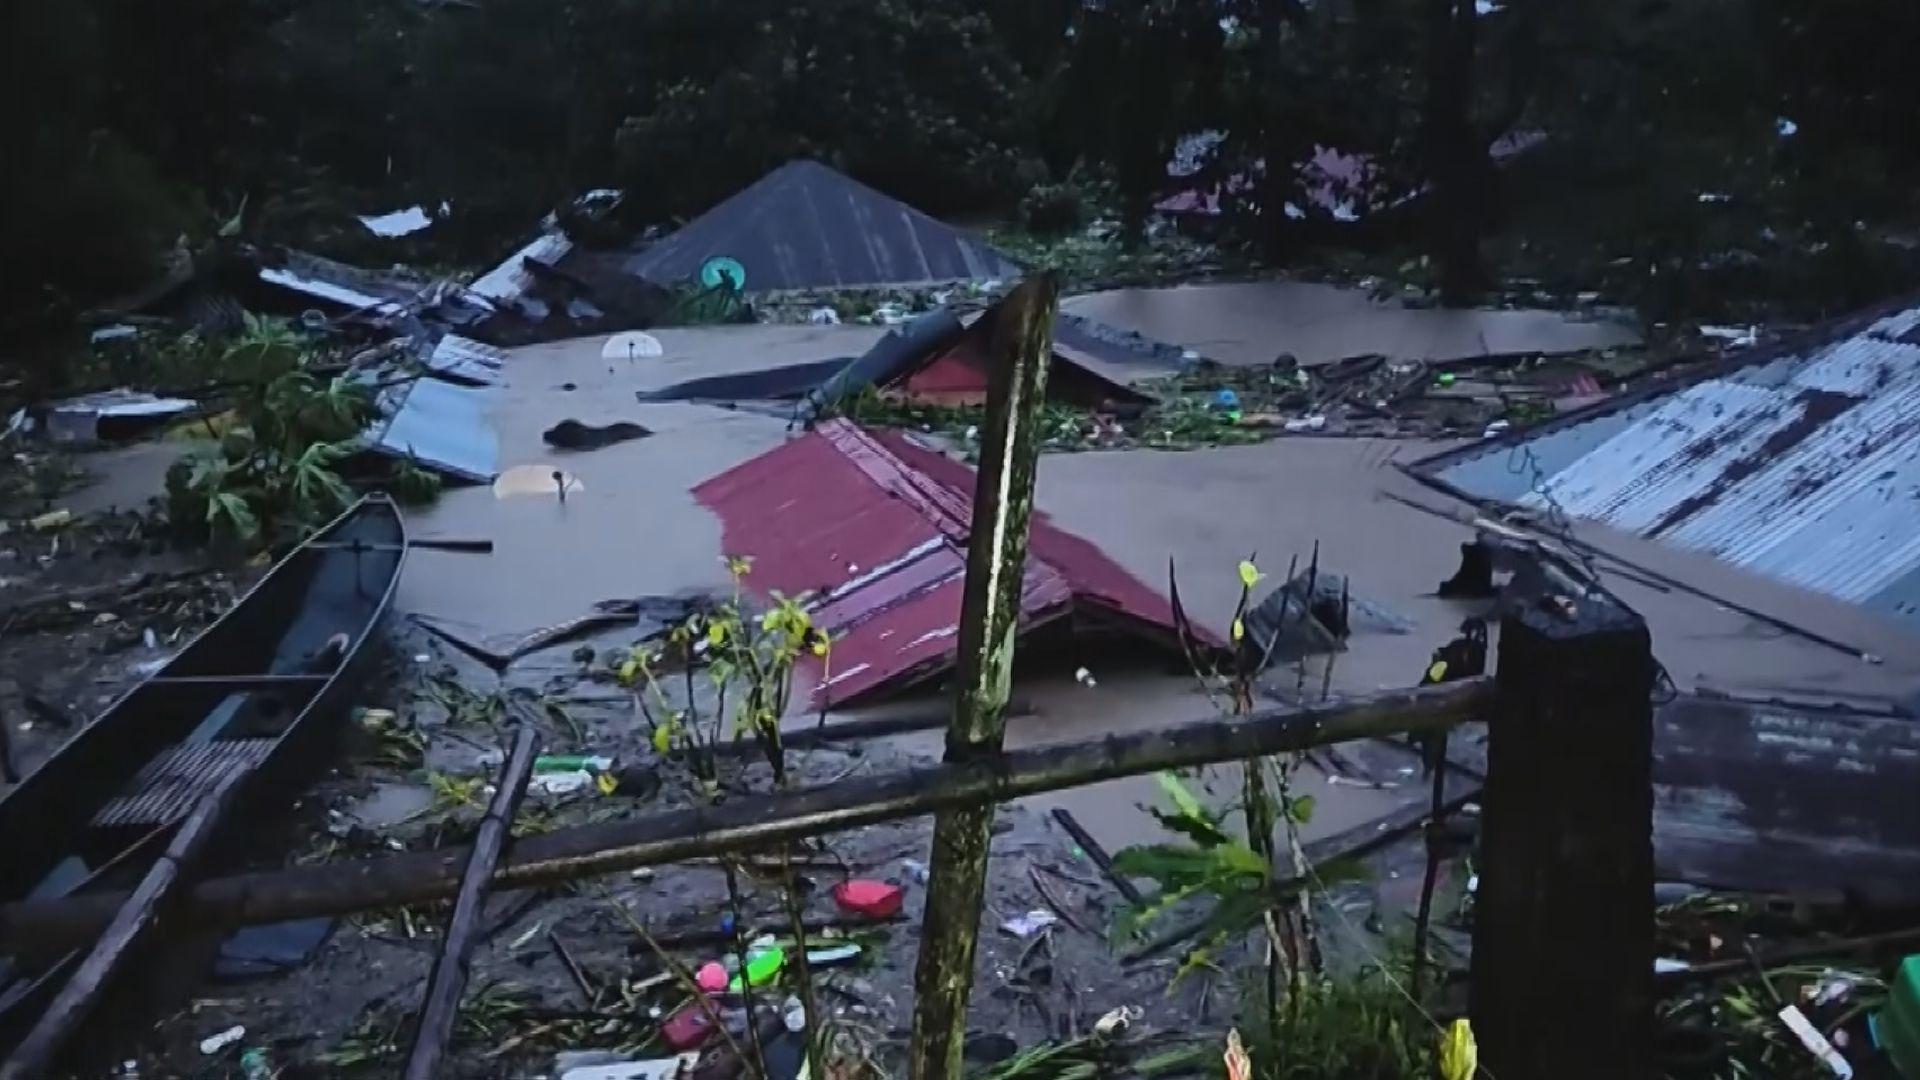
[237, 699]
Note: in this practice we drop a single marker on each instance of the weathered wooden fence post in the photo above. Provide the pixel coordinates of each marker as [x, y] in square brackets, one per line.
[989, 620]
[1563, 919]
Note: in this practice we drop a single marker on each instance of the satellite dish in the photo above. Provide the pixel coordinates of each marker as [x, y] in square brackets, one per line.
[630, 346]
[723, 270]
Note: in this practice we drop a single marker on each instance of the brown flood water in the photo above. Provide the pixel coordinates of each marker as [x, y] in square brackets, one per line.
[633, 529]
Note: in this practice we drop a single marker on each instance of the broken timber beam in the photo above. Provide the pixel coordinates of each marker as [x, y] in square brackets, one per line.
[751, 824]
[441, 1006]
[1563, 943]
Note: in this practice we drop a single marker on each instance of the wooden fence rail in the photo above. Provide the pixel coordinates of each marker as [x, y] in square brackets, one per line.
[747, 824]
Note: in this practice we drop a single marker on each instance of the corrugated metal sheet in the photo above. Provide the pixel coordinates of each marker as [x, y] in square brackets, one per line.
[1801, 462]
[874, 528]
[1787, 799]
[326, 290]
[443, 426]
[383, 292]
[1812, 801]
[805, 226]
[466, 360]
[511, 279]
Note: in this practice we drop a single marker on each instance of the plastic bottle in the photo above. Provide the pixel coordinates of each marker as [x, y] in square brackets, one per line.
[255, 1066]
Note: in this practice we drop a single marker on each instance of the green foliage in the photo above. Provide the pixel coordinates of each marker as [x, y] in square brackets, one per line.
[749, 662]
[1358, 1026]
[276, 470]
[132, 121]
[1049, 210]
[919, 99]
[695, 304]
[1226, 871]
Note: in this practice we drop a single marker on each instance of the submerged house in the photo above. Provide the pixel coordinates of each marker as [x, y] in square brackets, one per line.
[873, 528]
[1799, 461]
[807, 226]
[935, 359]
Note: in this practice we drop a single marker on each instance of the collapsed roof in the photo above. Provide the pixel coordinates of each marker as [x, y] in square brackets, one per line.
[874, 529]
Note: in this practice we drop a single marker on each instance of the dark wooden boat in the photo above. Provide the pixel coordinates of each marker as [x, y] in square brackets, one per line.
[260, 693]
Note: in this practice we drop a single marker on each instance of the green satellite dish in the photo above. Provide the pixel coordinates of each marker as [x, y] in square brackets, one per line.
[723, 270]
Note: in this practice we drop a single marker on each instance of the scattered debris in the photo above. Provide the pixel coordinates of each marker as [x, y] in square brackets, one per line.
[108, 416]
[871, 899]
[1029, 924]
[402, 222]
[576, 436]
[654, 1069]
[213, 1044]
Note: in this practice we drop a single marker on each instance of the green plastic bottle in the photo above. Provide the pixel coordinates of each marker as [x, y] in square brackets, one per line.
[1897, 1027]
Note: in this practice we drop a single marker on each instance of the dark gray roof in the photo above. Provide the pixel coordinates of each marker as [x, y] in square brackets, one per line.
[805, 226]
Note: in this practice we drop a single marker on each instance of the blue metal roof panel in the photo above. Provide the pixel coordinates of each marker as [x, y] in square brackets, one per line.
[442, 426]
[1803, 465]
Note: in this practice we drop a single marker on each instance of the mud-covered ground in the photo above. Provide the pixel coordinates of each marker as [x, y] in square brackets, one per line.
[87, 607]
[419, 781]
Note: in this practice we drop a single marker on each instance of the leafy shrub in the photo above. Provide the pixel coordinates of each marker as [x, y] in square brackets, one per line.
[276, 470]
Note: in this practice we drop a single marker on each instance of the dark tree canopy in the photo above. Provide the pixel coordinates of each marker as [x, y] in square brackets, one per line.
[1718, 150]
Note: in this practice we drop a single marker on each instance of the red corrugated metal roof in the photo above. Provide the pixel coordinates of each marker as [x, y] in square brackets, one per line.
[874, 527]
[957, 375]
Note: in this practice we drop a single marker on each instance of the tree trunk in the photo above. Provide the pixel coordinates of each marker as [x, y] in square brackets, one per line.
[989, 624]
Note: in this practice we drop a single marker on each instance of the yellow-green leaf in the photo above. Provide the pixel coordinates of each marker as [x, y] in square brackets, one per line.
[629, 669]
[717, 634]
[1183, 799]
[1459, 1054]
[1249, 573]
[1239, 630]
[662, 738]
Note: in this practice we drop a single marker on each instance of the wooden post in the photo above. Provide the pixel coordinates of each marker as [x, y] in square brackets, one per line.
[1563, 920]
[989, 623]
[441, 1007]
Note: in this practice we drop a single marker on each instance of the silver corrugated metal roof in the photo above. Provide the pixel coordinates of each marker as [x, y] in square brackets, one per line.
[511, 279]
[442, 426]
[466, 360]
[1801, 462]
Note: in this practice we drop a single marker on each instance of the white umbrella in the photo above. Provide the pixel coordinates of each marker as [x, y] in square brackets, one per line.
[630, 346]
[536, 480]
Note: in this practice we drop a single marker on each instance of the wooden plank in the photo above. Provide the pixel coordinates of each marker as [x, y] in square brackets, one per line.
[441, 1007]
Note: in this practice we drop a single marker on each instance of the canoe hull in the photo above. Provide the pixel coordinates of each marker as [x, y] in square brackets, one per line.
[263, 689]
